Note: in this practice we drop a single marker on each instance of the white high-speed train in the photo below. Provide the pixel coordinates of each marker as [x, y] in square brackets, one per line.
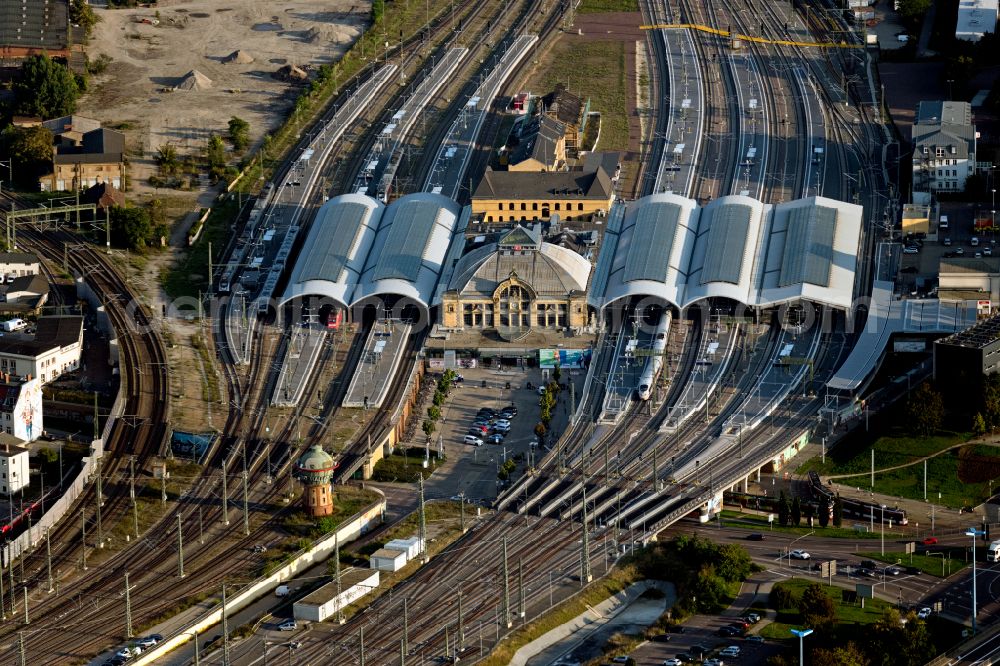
[655, 361]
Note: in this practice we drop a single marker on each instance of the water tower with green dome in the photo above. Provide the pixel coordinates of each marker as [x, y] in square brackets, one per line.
[314, 469]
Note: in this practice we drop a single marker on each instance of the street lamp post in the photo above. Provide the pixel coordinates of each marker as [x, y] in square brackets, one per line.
[973, 532]
[801, 633]
[883, 530]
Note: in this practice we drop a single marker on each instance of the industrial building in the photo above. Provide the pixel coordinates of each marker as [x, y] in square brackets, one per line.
[944, 148]
[325, 603]
[412, 546]
[970, 278]
[962, 360]
[32, 27]
[975, 19]
[386, 559]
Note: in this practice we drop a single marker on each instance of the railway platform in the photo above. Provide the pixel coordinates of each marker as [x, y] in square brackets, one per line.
[301, 354]
[384, 349]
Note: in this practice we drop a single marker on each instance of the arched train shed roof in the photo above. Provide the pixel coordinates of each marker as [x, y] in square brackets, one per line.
[735, 247]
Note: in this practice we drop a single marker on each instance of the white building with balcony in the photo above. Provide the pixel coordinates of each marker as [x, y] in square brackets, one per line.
[13, 466]
[944, 149]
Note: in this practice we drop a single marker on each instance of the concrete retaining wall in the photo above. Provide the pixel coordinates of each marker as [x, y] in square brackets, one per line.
[359, 524]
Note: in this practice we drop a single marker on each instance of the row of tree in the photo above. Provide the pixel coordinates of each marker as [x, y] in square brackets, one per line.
[441, 389]
[792, 513]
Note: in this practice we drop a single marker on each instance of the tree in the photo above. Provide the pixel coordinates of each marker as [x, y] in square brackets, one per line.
[816, 607]
[215, 153]
[796, 511]
[438, 398]
[925, 410]
[131, 227]
[733, 563]
[978, 424]
[428, 428]
[847, 655]
[912, 11]
[556, 374]
[166, 158]
[30, 148]
[809, 512]
[783, 510]
[838, 511]
[434, 412]
[239, 133]
[991, 402]
[45, 88]
[81, 14]
[824, 513]
[540, 431]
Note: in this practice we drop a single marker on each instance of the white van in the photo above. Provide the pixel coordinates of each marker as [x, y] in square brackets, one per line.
[943, 223]
[993, 552]
[473, 440]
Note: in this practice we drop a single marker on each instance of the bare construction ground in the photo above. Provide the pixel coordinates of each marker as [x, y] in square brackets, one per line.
[145, 91]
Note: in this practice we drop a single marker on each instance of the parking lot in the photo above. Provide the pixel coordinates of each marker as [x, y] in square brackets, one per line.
[919, 269]
[703, 631]
[473, 469]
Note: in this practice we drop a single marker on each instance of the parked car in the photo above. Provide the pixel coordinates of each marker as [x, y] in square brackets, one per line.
[728, 632]
[495, 438]
[672, 662]
[483, 423]
[910, 249]
[501, 428]
[488, 412]
[947, 241]
[892, 571]
[684, 657]
[473, 440]
[753, 618]
[508, 412]
[799, 555]
[288, 625]
[477, 431]
[754, 638]
[731, 651]
[713, 662]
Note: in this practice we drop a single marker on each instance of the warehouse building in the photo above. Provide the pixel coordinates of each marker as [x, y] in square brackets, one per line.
[387, 559]
[412, 546]
[325, 603]
[963, 359]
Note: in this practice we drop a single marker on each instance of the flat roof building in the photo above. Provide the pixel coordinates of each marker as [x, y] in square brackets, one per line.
[975, 19]
[962, 360]
[325, 603]
[387, 559]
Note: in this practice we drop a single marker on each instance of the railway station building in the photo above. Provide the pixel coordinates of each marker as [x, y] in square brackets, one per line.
[515, 284]
[524, 196]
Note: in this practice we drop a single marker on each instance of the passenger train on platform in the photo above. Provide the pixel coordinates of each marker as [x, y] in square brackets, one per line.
[654, 363]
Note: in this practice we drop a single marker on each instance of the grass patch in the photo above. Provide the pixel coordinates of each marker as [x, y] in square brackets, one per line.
[755, 523]
[303, 529]
[962, 477]
[616, 581]
[935, 566]
[188, 275]
[601, 6]
[847, 614]
[595, 70]
[405, 466]
[210, 380]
